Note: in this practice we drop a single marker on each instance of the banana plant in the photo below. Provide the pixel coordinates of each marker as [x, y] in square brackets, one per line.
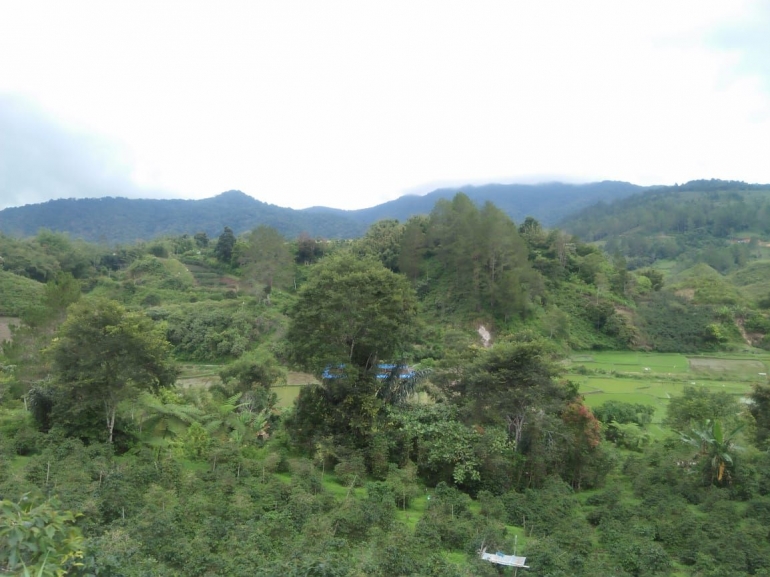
[716, 446]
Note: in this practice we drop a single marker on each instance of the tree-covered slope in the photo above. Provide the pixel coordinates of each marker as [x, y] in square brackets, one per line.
[131, 475]
[123, 220]
[548, 202]
[114, 220]
[666, 222]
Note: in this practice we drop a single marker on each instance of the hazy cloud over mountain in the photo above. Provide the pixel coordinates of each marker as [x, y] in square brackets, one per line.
[40, 159]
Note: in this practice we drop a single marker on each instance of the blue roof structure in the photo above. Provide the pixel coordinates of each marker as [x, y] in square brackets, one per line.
[384, 371]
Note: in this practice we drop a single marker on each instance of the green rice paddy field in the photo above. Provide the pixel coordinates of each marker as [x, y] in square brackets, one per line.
[654, 378]
[633, 377]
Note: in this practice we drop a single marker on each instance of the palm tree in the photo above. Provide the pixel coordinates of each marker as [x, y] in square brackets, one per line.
[713, 444]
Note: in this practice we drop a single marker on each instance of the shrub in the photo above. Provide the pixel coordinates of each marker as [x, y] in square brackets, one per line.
[351, 470]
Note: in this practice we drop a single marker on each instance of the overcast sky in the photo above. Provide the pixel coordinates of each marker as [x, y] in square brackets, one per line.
[350, 104]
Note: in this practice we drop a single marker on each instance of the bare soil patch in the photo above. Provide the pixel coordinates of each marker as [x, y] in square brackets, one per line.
[5, 327]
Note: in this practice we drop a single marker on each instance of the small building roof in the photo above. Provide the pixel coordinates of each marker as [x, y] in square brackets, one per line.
[503, 559]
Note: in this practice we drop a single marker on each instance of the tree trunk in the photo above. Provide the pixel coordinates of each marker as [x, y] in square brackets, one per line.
[110, 421]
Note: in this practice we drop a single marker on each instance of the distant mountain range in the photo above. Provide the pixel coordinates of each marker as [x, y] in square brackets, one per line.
[119, 220]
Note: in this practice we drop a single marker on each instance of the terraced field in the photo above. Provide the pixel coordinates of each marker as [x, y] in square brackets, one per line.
[200, 375]
[654, 378]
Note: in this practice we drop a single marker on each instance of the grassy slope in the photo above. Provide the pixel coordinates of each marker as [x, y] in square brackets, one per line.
[18, 293]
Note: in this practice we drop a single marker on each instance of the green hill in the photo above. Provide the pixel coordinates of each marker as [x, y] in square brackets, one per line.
[18, 294]
[696, 220]
[122, 220]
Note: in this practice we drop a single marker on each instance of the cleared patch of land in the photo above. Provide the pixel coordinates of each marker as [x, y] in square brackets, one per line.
[5, 327]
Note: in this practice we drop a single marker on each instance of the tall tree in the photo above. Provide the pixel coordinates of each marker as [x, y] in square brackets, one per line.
[309, 250]
[506, 383]
[225, 245]
[104, 355]
[383, 242]
[760, 410]
[504, 260]
[413, 244]
[266, 258]
[352, 311]
[483, 256]
[350, 314]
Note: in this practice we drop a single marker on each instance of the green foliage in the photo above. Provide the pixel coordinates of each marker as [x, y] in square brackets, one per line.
[759, 407]
[266, 259]
[625, 423]
[414, 244]
[225, 245]
[441, 446]
[707, 286]
[483, 259]
[42, 257]
[505, 381]
[674, 324]
[698, 404]
[622, 412]
[164, 417]
[208, 332]
[217, 481]
[716, 446]
[257, 368]
[20, 294]
[104, 355]
[351, 471]
[38, 538]
[382, 242]
[354, 311]
[654, 276]
[667, 221]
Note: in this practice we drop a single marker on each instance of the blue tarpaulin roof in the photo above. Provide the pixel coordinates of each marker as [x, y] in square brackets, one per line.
[384, 370]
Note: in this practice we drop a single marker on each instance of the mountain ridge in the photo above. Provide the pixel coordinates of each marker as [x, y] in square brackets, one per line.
[119, 220]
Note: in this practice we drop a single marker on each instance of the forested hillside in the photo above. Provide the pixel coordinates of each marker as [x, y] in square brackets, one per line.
[259, 404]
[548, 202]
[121, 220]
[697, 220]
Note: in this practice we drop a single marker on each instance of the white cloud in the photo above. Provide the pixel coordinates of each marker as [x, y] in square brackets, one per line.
[40, 160]
[349, 104]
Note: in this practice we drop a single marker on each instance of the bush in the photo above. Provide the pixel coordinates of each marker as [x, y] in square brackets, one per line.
[151, 300]
[28, 440]
[351, 470]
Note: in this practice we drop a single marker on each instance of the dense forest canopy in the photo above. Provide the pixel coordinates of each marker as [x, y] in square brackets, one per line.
[696, 220]
[241, 402]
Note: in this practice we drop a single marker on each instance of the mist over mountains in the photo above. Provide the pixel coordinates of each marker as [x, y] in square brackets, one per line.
[118, 220]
